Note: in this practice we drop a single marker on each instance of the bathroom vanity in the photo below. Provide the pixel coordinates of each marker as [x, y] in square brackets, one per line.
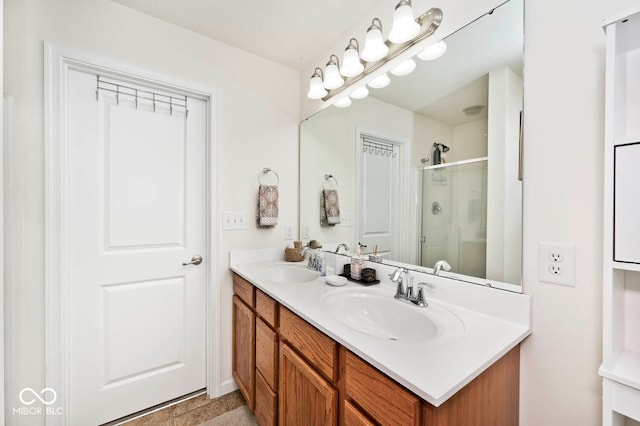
[297, 360]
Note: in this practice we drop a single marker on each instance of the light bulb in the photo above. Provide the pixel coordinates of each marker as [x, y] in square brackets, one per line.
[360, 93]
[380, 81]
[332, 77]
[405, 26]
[351, 65]
[404, 68]
[316, 89]
[343, 102]
[434, 51]
[374, 46]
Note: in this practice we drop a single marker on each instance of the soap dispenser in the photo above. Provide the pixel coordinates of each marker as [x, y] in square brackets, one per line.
[322, 265]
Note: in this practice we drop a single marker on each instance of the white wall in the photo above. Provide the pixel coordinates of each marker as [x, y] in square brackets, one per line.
[504, 195]
[330, 148]
[564, 121]
[469, 141]
[257, 126]
[426, 132]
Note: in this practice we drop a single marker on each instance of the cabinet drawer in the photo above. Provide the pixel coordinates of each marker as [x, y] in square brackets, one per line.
[244, 290]
[354, 417]
[385, 401]
[267, 353]
[267, 308]
[319, 349]
[266, 402]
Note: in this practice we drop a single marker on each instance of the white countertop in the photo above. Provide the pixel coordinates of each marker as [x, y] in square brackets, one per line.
[494, 321]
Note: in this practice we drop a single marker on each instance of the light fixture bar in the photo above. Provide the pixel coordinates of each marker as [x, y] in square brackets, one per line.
[430, 21]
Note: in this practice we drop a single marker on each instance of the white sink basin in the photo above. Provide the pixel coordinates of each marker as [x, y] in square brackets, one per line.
[288, 273]
[380, 315]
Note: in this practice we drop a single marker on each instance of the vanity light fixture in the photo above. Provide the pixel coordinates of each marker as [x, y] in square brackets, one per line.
[332, 77]
[360, 93]
[374, 45]
[343, 102]
[374, 59]
[380, 81]
[404, 68]
[316, 89]
[351, 65]
[405, 26]
[434, 51]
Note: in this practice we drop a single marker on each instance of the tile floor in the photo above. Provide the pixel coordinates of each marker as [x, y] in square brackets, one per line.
[191, 412]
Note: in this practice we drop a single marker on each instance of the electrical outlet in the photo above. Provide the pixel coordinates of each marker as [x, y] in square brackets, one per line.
[555, 256]
[557, 263]
[305, 231]
[555, 269]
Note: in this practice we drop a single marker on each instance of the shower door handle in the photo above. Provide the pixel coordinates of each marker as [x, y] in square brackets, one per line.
[423, 239]
[195, 260]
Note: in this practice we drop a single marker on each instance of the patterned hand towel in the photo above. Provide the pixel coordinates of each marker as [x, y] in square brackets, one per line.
[329, 207]
[267, 213]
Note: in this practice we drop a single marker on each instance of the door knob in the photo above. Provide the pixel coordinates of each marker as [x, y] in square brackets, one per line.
[195, 260]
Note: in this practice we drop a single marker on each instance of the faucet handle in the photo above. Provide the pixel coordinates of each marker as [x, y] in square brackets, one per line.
[400, 290]
[421, 299]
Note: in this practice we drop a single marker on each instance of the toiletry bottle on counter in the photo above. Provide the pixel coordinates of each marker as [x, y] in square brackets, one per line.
[322, 265]
[357, 263]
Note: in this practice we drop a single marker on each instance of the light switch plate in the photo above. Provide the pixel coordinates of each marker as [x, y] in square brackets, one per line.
[234, 221]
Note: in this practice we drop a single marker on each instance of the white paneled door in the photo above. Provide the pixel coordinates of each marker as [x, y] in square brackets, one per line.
[378, 197]
[137, 217]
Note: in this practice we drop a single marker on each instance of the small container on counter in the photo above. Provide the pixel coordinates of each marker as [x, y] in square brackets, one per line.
[368, 275]
[357, 263]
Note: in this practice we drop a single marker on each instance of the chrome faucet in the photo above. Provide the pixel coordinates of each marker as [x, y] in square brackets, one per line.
[402, 294]
[304, 250]
[342, 245]
[440, 265]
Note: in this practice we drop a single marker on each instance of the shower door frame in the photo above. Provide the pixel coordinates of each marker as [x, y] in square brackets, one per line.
[58, 59]
[420, 178]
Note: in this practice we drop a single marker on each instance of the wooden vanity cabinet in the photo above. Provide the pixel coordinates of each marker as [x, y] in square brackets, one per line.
[290, 373]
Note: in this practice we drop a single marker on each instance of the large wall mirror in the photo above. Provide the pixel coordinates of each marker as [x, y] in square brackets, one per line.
[428, 168]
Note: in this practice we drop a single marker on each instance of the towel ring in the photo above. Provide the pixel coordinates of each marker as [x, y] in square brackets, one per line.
[266, 171]
[326, 178]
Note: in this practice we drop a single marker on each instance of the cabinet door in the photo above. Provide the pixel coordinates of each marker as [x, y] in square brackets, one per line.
[244, 344]
[627, 204]
[305, 397]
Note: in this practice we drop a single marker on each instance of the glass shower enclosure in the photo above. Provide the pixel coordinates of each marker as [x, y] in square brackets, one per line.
[454, 216]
